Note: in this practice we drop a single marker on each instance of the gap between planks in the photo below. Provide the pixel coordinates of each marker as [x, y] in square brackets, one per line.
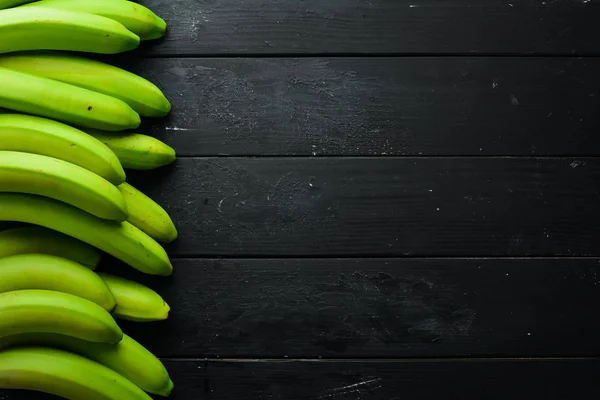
[379, 360]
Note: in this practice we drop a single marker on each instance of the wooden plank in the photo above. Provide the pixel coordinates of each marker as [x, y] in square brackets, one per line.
[309, 308]
[376, 26]
[373, 380]
[378, 106]
[568, 379]
[380, 206]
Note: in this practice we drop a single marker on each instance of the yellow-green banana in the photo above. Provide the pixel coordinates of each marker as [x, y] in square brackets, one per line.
[38, 240]
[45, 272]
[135, 17]
[148, 215]
[136, 302]
[122, 240]
[30, 134]
[63, 102]
[44, 28]
[11, 3]
[60, 180]
[129, 358]
[47, 311]
[64, 374]
[140, 94]
[136, 151]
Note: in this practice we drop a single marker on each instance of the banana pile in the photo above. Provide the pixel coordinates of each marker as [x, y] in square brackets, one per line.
[63, 156]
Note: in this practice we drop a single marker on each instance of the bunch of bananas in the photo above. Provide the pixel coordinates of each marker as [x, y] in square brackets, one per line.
[63, 157]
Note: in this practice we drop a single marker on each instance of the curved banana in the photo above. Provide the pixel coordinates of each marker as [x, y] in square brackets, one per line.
[148, 215]
[136, 151]
[129, 358]
[30, 134]
[135, 17]
[140, 94]
[60, 180]
[122, 240]
[45, 272]
[38, 240]
[47, 311]
[43, 28]
[135, 302]
[64, 374]
[63, 102]
[11, 3]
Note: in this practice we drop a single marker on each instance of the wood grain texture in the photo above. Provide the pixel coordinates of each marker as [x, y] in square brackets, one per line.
[201, 27]
[385, 308]
[378, 106]
[340, 380]
[569, 379]
[380, 206]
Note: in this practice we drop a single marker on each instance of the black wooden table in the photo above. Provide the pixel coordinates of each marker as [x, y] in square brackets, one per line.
[379, 199]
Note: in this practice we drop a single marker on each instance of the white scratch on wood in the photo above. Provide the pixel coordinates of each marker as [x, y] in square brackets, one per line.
[220, 204]
[367, 385]
[174, 128]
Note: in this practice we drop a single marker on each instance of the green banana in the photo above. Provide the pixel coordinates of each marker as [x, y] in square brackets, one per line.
[45, 272]
[129, 358]
[135, 17]
[47, 311]
[140, 94]
[60, 180]
[148, 215]
[136, 151]
[29, 134]
[35, 239]
[11, 3]
[63, 102]
[64, 374]
[122, 240]
[135, 302]
[43, 28]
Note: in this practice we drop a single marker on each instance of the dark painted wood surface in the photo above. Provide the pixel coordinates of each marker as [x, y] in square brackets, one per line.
[365, 188]
[471, 379]
[384, 308]
[200, 27]
[376, 380]
[378, 106]
[422, 206]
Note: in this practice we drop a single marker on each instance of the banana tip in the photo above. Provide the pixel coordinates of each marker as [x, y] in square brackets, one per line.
[170, 387]
[120, 175]
[117, 339]
[136, 120]
[166, 391]
[172, 236]
[167, 273]
[157, 31]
